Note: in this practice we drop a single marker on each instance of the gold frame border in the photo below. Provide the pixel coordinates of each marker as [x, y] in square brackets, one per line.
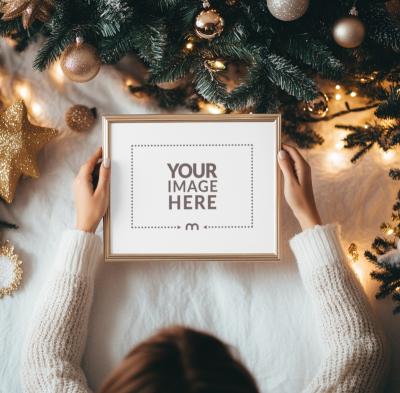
[107, 122]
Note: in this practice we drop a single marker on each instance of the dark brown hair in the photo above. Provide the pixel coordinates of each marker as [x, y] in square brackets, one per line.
[180, 360]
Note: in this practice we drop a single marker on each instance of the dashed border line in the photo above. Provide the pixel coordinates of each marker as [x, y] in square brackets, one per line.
[199, 145]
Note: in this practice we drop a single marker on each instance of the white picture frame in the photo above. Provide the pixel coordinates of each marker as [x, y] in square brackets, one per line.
[193, 187]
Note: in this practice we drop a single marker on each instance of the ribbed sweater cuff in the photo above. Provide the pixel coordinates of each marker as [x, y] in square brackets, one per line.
[318, 246]
[78, 253]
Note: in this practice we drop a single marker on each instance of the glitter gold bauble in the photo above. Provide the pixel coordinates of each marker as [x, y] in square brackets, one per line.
[80, 118]
[209, 24]
[80, 62]
[29, 10]
[10, 270]
[20, 141]
[287, 10]
[349, 32]
[318, 107]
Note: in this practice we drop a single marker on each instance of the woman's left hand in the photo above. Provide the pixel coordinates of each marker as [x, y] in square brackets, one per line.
[91, 202]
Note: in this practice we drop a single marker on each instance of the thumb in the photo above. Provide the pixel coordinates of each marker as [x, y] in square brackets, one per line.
[285, 163]
[104, 176]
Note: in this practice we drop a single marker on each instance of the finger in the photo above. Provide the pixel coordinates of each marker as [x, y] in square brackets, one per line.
[88, 167]
[104, 177]
[301, 166]
[286, 165]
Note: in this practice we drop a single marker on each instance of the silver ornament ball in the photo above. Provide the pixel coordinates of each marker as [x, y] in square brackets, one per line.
[288, 10]
[349, 32]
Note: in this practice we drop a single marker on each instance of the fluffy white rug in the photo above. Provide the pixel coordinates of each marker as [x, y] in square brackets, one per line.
[261, 309]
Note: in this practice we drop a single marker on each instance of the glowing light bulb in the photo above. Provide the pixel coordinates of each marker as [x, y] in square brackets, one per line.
[353, 94]
[335, 158]
[37, 109]
[389, 231]
[388, 155]
[215, 109]
[337, 87]
[23, 90]
[339, 145]
[338, 97]
[366, 126]
[219, 65]
[359, 272]
[189, 45]
[57, 73]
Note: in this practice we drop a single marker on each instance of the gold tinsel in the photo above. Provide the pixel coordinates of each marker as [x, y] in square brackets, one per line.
[7, 257]
[20, 141]
[29, 10]
[80, 118]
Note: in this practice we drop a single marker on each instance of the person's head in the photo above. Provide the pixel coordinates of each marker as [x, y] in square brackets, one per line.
[180, 360]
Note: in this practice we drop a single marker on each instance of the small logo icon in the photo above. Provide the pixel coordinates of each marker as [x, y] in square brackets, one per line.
[192, 226]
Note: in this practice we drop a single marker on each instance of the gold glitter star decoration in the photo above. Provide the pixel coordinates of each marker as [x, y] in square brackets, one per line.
[20, 141]
[29, 10]
[10, 270]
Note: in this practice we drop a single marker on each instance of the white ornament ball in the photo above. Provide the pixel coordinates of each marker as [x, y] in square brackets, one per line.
[349, 32]
[288, 10]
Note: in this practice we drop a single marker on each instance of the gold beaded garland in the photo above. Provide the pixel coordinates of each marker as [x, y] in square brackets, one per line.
[80, 61]
[80, 118]
[10, 270]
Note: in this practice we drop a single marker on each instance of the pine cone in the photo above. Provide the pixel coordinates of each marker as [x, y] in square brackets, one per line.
[29, 10]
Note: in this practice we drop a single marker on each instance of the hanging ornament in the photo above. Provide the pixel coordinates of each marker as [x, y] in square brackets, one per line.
[349, 31]
[10, 270]
[80, 118]
[288, 10]
[80, 61]
[20, 141]
[29, 10]
[209, 23]
[318, 107]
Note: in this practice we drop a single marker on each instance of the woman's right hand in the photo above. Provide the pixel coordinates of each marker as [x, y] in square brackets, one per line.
[298, 186]
[91, 200]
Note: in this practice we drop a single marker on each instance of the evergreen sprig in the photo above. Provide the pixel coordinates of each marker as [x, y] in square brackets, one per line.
[387, 273]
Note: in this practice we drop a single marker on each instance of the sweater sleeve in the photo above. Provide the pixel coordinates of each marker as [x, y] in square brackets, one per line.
[355, 349]
[56, 338]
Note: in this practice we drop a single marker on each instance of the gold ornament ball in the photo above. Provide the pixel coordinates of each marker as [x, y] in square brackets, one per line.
[80, 62]
[318, 107]
[349, 32]
[209, 24]
[288, 10]
[80, 118]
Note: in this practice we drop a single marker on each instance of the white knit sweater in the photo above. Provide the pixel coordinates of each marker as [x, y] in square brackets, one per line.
[355, 354]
